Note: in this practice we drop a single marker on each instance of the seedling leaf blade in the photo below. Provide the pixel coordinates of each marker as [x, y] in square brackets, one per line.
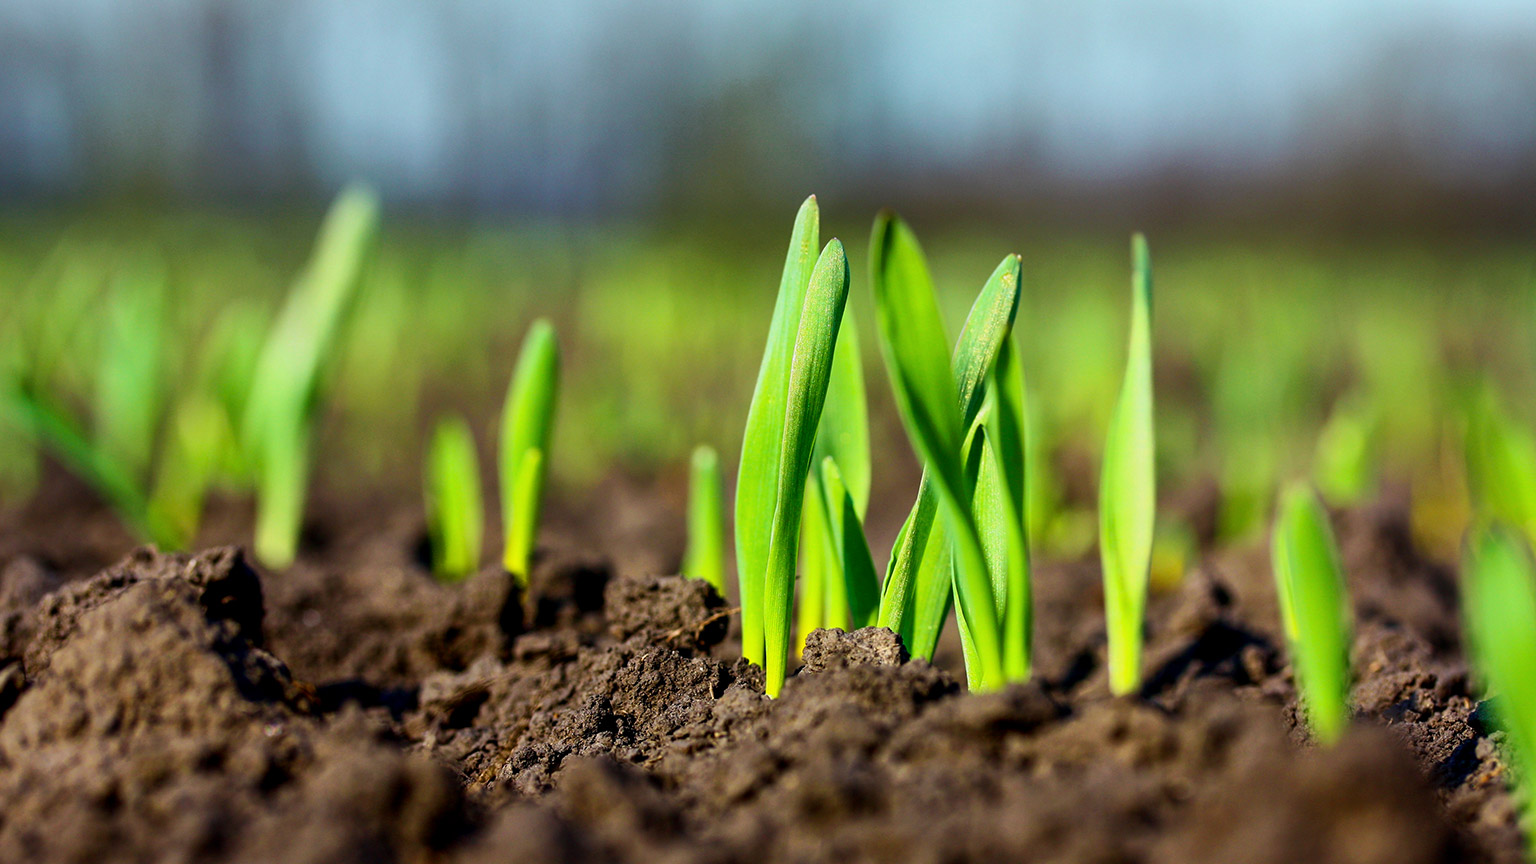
[806, 391]
[757, 482]
[1309, 582]
[705, 557]
[455, 511]
[1500, 605]
[1127, 491]
[526, 423]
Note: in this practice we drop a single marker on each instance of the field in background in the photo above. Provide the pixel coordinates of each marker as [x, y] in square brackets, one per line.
[1265, 346]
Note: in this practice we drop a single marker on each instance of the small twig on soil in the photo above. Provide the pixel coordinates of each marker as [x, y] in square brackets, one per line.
[698, 629]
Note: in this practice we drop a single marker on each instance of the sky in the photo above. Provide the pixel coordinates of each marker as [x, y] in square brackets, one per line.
[583, 105]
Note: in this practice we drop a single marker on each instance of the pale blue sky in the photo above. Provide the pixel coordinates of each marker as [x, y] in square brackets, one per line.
[577, 103]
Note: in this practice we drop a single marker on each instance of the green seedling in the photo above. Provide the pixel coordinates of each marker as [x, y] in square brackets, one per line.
[1499, 591]
[1314, 609]
[194, 449]
[777, 445]
[129, 377]
[843, 438]
[51, 428]
[526, 423]
[280, 412]
[705, 556]
[1344, 467]
[1501, 465]
[853, 587]
[757, 480]
[1127, 490]
[938, 403]
[1005, 521]
[455, 514]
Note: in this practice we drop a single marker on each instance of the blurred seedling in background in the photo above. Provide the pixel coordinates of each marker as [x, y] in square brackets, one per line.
[455, 512]
[705, 556]
[526, 423]
[1314, 609]
[277, 425]
[1127, 490]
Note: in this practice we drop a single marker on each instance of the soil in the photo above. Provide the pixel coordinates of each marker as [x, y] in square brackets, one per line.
[194, 708]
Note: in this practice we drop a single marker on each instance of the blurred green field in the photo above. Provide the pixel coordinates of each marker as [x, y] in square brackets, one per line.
[1265, 346]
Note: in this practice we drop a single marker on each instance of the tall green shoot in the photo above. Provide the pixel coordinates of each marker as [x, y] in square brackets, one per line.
[843, 438]
[526, 422]
[455, 512]
[809, 371]
[285, 388]
[705, 556]
[1499, 599]
[757, 480]
[1314, 608]
[1127, 490]
[928, 393]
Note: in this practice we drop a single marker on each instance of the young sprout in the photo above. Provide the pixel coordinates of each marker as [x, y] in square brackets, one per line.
[1499, 591]
[526, 422]
[1345, 463]
[853, 592]
[455, 514]
[1127, 491]
[285, 387]
[776, 449]
[1501, 466]
[843, 437]
[705, 556]
[1005, 521]
[129, 378]
[938, 403]
[763, 439]
[1309, 583]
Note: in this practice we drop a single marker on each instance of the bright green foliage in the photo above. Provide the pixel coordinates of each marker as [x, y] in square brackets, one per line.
[705, 557]
[757, 478]
[843, 437]
[193, 451]
[1309, 583]
[1127, 491]
[1501, 466]
[855, 599]
[1499, 588]
[526, 422]
[286, 383]
[455, 512]
[129, 377]
[928, 390]
[50, 427]
[810, 371]
[1006, 521]
[1345, 465]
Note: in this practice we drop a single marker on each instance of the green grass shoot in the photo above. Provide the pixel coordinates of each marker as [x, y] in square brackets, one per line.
[130, 385]
[280, 412]
[1501, 465]
[1006, 521]
[455, 511]
[937, 403]
[1314, 609]
[705, 556]
[757, 480]
[526, 423]
[781, 432]
[1499, 601]
[843, 437]
[853, 592]
[1127, 490]
[810, 371]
